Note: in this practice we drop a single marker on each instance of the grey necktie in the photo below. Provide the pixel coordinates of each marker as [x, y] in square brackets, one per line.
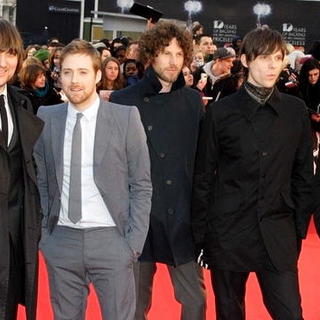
[75, 173]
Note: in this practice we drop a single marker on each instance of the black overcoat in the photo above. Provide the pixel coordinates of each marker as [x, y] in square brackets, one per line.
[251, 203]
[29, 127]
[171, 121]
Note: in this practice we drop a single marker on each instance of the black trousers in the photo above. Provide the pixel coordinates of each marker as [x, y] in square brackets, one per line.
[280, 291]
[16, 280]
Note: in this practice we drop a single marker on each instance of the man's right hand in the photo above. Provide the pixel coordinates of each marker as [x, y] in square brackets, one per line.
[200, 260]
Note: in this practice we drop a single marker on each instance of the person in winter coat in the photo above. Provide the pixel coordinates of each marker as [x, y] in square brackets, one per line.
[20, 212]
[35, 86]
[252, 192]
[171, 114]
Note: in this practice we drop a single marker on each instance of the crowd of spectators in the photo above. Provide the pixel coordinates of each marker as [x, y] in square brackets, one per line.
[215, 70]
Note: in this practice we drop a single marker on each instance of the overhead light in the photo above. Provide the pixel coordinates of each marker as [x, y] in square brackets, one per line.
[193, 6]
[125, 4]
[261, 10]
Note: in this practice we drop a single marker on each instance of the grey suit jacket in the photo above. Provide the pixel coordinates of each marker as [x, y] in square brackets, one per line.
[121, 168]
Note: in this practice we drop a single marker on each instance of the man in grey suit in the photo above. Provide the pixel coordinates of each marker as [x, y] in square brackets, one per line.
[94, 181]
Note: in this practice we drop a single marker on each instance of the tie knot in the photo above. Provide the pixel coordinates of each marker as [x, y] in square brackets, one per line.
[79, 116]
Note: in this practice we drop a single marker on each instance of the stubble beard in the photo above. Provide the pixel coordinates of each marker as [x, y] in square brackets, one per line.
[169, 79]
[76, 98]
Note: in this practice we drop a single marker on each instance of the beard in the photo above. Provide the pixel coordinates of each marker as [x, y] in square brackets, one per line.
[169, 77]
[81, 97]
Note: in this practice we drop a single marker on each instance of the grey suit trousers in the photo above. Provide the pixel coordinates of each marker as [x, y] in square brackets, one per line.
[188, 285]
[77, 257]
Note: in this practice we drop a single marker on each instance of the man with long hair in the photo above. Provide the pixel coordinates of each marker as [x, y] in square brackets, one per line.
[20, 213]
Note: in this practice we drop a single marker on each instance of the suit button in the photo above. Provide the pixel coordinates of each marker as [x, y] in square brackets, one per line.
[264, 154]
[149, 128]
[170, 211]
[162, 155]
[169, 182]
[146, 99]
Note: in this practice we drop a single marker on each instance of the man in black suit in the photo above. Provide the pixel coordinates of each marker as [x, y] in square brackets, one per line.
[20, 213]
[252, 186]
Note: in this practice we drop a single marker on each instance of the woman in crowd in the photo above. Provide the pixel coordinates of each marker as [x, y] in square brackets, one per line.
[54, 60]
[310, 84]
[35, 86]
[188, 76]
[112, 78]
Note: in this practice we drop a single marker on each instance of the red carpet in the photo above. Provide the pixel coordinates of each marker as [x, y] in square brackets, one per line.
[165, 308]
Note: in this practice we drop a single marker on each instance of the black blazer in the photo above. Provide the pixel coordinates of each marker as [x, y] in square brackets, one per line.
[29, 128]
[250, 203]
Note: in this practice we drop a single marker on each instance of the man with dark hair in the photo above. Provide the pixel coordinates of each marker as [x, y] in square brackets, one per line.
[170, 113]
[95, 188]
[20, 213]
[252, 186]
[205, 45]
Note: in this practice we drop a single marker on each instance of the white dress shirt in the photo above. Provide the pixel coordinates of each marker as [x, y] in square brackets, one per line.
[9, 115]
[94, 211]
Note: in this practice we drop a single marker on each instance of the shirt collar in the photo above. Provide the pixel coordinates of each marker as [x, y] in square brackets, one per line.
[5, 92]
[89, 114]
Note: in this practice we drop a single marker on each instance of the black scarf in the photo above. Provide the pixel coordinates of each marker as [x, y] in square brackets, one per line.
[260, 94]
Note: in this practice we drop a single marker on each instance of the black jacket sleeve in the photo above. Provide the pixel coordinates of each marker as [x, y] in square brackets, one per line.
[204, 176]
[302, 179]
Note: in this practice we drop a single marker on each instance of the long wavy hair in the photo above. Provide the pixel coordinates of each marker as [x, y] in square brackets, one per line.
[118, 82]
